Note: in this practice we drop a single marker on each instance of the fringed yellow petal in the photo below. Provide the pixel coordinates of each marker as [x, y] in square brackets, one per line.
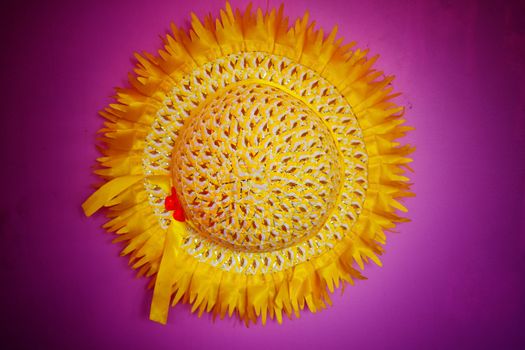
[229, 31]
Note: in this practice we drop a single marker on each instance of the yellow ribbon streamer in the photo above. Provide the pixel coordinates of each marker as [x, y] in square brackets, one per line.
[165, 277]
[109, 191]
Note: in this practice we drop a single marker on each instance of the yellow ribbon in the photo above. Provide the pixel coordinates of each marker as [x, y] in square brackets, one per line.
[165, 277]
[109, 191]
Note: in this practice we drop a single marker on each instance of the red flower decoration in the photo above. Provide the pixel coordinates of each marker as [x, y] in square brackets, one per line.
[172, 203]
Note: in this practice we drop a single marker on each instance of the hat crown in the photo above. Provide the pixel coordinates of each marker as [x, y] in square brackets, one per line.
[256, 169]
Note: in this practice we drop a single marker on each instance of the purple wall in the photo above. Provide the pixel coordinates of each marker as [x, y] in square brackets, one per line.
[453, 278]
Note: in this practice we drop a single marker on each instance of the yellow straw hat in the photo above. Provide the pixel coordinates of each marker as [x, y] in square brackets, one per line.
[252, 166]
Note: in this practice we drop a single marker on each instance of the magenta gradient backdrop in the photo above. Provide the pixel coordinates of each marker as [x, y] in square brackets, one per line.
[453, 278]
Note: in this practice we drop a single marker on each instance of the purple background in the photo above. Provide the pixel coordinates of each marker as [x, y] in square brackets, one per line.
[453, 278]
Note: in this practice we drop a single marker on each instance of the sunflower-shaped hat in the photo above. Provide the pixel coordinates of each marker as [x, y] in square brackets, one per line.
[252, 166]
